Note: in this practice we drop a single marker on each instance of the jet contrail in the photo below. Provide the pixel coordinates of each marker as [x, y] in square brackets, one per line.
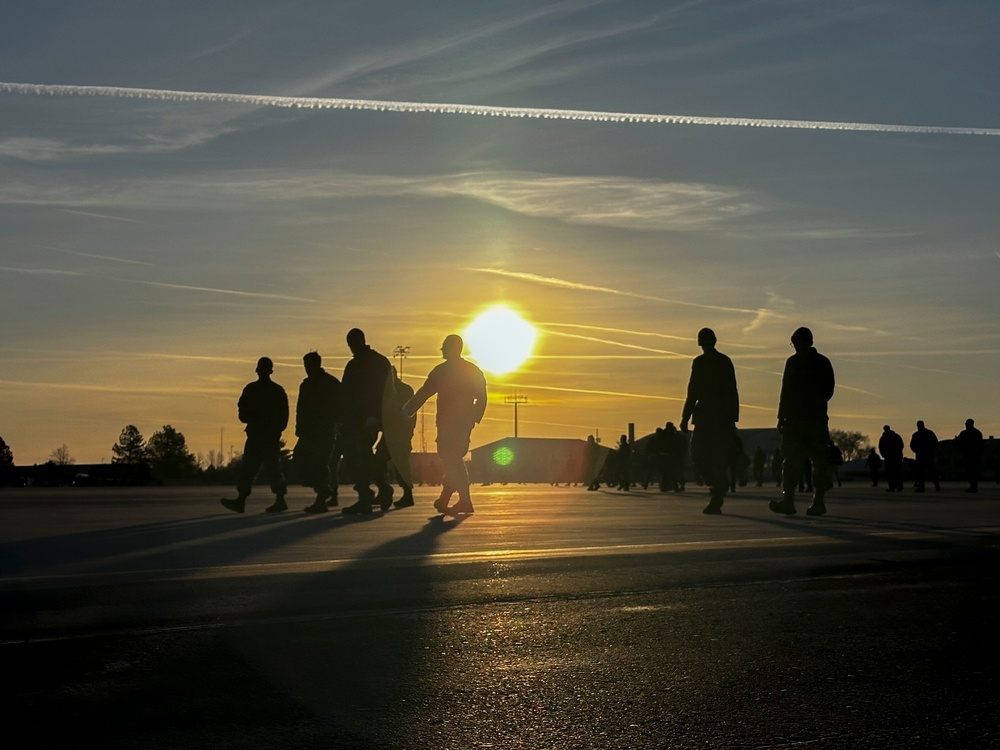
[310, 102]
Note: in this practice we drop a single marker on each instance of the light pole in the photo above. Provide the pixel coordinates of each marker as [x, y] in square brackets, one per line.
[515, 399]
[401, 352]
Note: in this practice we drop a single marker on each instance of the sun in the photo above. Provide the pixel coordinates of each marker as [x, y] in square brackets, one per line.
[500, 340]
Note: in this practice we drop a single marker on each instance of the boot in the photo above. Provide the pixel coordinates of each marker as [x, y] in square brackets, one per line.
[786, 505]
[235, 504]
[278, 506]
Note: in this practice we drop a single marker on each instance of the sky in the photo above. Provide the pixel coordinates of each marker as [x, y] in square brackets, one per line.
[152, 248]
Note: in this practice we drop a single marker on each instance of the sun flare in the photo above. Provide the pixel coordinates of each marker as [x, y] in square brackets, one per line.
[500, 340]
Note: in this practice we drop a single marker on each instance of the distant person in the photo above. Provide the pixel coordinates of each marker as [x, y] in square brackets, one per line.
[461, 402]
[874, 463]
[777, 466]
[739, 462]
[263, 408]
[890, 445]
[835, 458]
[623, 464]
[924, 445]
[590, 467]
[970, 444]
[366, 376]
[807, 386]
[677, 451]
[713, 405]
[317, 413]
[759, 464]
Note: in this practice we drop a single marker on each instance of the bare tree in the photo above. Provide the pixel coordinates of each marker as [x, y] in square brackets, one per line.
[853, 445]
[60, 456]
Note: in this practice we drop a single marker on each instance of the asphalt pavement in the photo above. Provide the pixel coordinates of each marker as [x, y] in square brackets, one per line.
[551, 618]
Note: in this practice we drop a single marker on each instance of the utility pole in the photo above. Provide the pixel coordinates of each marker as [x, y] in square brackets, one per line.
[401, 352]
[515, 399]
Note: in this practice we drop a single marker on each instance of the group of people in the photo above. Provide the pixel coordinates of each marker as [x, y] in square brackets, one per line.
[713, 406]
[924, 445]
[367, 417]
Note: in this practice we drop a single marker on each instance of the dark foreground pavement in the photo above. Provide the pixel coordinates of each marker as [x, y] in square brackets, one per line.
[553, 618]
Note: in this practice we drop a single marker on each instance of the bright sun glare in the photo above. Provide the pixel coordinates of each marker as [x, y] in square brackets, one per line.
[500, 340]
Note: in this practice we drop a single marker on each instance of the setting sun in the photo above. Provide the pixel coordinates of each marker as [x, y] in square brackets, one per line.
[500, 340]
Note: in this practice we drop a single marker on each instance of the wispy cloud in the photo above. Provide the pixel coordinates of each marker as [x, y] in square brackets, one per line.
[606, 200]
[101, 216]
[92, 256]
[577, 286]
[302, 102]
[597, 340]
[216, 290]
[160, 284]
[41, 271]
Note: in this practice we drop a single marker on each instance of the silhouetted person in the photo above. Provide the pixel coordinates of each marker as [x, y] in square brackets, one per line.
[623, 464]
[397, 438]
[890, 445]
[365, 378]
[835, 460]
[970, 444]
[739, 461]
[713, 404]
[263, 408]
[806, 388]
[590, 467]
[924, 444]
[759, 464]
[677, 450]
[461, 402]
[777, 466]
[317, 412]
[874, 463]
[806, 476]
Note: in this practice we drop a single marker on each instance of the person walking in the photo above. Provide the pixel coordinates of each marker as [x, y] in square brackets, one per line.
[924, 444]
[317, 412]
[890, 445]
[366, 376]
[807, 386]
[713, 405]
[874, 463]
[970, 445]
[460, 387]
[263, 408]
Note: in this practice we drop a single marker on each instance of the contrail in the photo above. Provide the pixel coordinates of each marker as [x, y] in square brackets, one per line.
[309, 102]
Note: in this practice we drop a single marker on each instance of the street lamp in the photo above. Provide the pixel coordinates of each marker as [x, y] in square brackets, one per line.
[515, 399]
[401, 352]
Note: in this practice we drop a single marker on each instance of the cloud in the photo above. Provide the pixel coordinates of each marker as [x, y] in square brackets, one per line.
[566, 284]
[607, 201]
[378, 105]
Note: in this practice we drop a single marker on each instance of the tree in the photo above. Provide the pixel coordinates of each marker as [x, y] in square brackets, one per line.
[130, 448]
[853, 445]
[60, 456]
[6, 455]
[169, 456]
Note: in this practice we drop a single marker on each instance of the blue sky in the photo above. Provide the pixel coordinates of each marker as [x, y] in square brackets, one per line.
[152, 249]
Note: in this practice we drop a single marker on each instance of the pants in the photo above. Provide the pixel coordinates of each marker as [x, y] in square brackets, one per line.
[894, 472]
[711, 451]
[805, 440]
[312, 462]
[452, 447]
[261, 451]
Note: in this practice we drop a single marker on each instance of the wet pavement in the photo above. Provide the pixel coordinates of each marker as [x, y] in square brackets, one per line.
[552, 618]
